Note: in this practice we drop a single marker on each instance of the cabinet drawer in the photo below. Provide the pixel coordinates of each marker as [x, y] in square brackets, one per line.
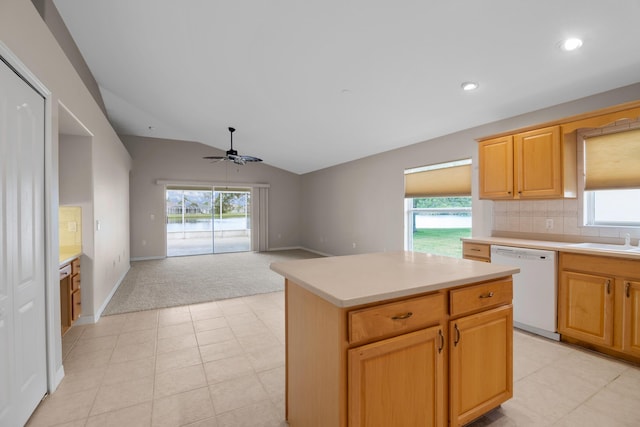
[76, 305]
[396, 317]
[75, 266]
[75, 282]
[476, 251]
[479, 297]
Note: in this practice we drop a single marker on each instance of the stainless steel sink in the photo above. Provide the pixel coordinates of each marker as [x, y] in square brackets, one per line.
[606, 247]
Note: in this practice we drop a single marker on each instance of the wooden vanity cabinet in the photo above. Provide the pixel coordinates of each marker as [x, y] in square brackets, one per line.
[476, 251]
[70, 297]
[599, 303]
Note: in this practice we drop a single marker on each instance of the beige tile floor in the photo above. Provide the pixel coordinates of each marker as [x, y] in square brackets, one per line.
[222, 364]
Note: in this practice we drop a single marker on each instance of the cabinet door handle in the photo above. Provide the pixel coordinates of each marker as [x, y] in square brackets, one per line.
[403, 316]
[608, 283]
[627, 289]
[441, 341]
[489, 295]
[457, 340]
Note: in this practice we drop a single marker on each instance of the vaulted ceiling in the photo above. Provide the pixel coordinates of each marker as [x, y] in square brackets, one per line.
[311, 84]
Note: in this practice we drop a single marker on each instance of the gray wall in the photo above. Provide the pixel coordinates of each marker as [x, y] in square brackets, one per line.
[155, 158]
[361, 202]
[26, 36]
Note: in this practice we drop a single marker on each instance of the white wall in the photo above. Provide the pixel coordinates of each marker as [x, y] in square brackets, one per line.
[361, 202]
[155, 158]
[24, 33]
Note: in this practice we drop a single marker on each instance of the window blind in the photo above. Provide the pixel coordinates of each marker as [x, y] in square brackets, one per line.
[443, 182]
[612, 161]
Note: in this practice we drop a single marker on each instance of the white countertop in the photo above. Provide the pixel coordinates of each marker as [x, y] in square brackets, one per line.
[347, 281]
[552, 246]
[68, 254]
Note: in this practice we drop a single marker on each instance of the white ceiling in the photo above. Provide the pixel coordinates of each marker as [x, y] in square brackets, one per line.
[311, 84]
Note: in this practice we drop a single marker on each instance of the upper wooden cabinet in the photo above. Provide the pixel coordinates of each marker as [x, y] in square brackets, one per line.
[530, 165]
[540, 162]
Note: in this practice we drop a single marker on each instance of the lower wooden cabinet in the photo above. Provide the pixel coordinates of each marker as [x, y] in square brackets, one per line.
[438, 359]
[585, 309]
[481, 366]
[631, 318]
[398, 381]
[70, 297]
[476, 251]
[599, 303]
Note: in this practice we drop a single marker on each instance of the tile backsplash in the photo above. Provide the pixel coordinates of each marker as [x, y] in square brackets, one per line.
[70, 226]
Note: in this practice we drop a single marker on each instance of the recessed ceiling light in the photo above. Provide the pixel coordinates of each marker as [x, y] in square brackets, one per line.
[571, 44]
[469, 86]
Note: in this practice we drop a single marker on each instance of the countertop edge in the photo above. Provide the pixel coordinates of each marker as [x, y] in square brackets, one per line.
[550, 245]
[395, 294]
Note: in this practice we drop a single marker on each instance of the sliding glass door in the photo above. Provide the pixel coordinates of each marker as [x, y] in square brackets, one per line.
[208, 220]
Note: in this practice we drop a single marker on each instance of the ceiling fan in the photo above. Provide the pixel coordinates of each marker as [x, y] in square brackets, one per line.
[233, 154]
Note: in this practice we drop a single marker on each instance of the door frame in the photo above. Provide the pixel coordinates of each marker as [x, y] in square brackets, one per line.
[54, 371]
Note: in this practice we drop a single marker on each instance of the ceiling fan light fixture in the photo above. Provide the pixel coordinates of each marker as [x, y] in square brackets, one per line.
[232, 154]
[469, 86]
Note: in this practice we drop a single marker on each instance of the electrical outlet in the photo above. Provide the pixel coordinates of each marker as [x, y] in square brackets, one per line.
[354, 245]
[549, 224]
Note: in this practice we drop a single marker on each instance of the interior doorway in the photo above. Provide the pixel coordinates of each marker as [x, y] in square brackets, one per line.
[207, 220]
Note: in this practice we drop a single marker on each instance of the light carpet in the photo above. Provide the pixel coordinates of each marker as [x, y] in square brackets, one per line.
[177, 281]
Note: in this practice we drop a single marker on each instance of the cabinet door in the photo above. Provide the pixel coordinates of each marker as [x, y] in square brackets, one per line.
[538, 164]
[481, 364]
[398, 381]
[631, 318]
[496, 168]
[585, 307]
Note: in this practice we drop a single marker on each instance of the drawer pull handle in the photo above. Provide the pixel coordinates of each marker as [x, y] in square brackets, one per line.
[489, 295]
[403, 316]
[441, 341]
[475, 249]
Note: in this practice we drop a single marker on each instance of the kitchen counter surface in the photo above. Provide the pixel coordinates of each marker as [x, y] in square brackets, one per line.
[552, 245]
[347, 281]
[68, 254]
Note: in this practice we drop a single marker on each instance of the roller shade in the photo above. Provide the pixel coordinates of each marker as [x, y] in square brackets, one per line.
[443, 182]
[612, 161]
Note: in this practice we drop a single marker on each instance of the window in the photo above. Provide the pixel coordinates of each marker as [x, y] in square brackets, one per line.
[612, 179]
[438, 207]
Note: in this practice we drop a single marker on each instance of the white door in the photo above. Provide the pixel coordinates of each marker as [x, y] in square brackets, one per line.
[22, 271]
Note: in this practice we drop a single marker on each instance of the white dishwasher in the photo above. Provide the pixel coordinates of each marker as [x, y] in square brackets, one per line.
[534, 288]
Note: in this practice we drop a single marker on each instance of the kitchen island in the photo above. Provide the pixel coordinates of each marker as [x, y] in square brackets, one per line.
[396, 339]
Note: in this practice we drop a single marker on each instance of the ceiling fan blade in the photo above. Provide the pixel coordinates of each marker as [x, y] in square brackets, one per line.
[215, 157]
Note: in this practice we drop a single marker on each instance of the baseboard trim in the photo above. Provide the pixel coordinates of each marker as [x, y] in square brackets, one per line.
[147, 258]
[97, 316]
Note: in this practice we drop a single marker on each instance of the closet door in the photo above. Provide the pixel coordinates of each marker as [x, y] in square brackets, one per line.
[22, 269]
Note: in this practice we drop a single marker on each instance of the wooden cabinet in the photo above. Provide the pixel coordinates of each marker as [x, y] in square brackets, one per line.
[476, 251]
[495, 158]
[599, 303]
[585, 309]
[481, 367]
[481, 348]
[398, 381]
[536, 164]
[390, 363]
[631, 318]
[70, 296]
